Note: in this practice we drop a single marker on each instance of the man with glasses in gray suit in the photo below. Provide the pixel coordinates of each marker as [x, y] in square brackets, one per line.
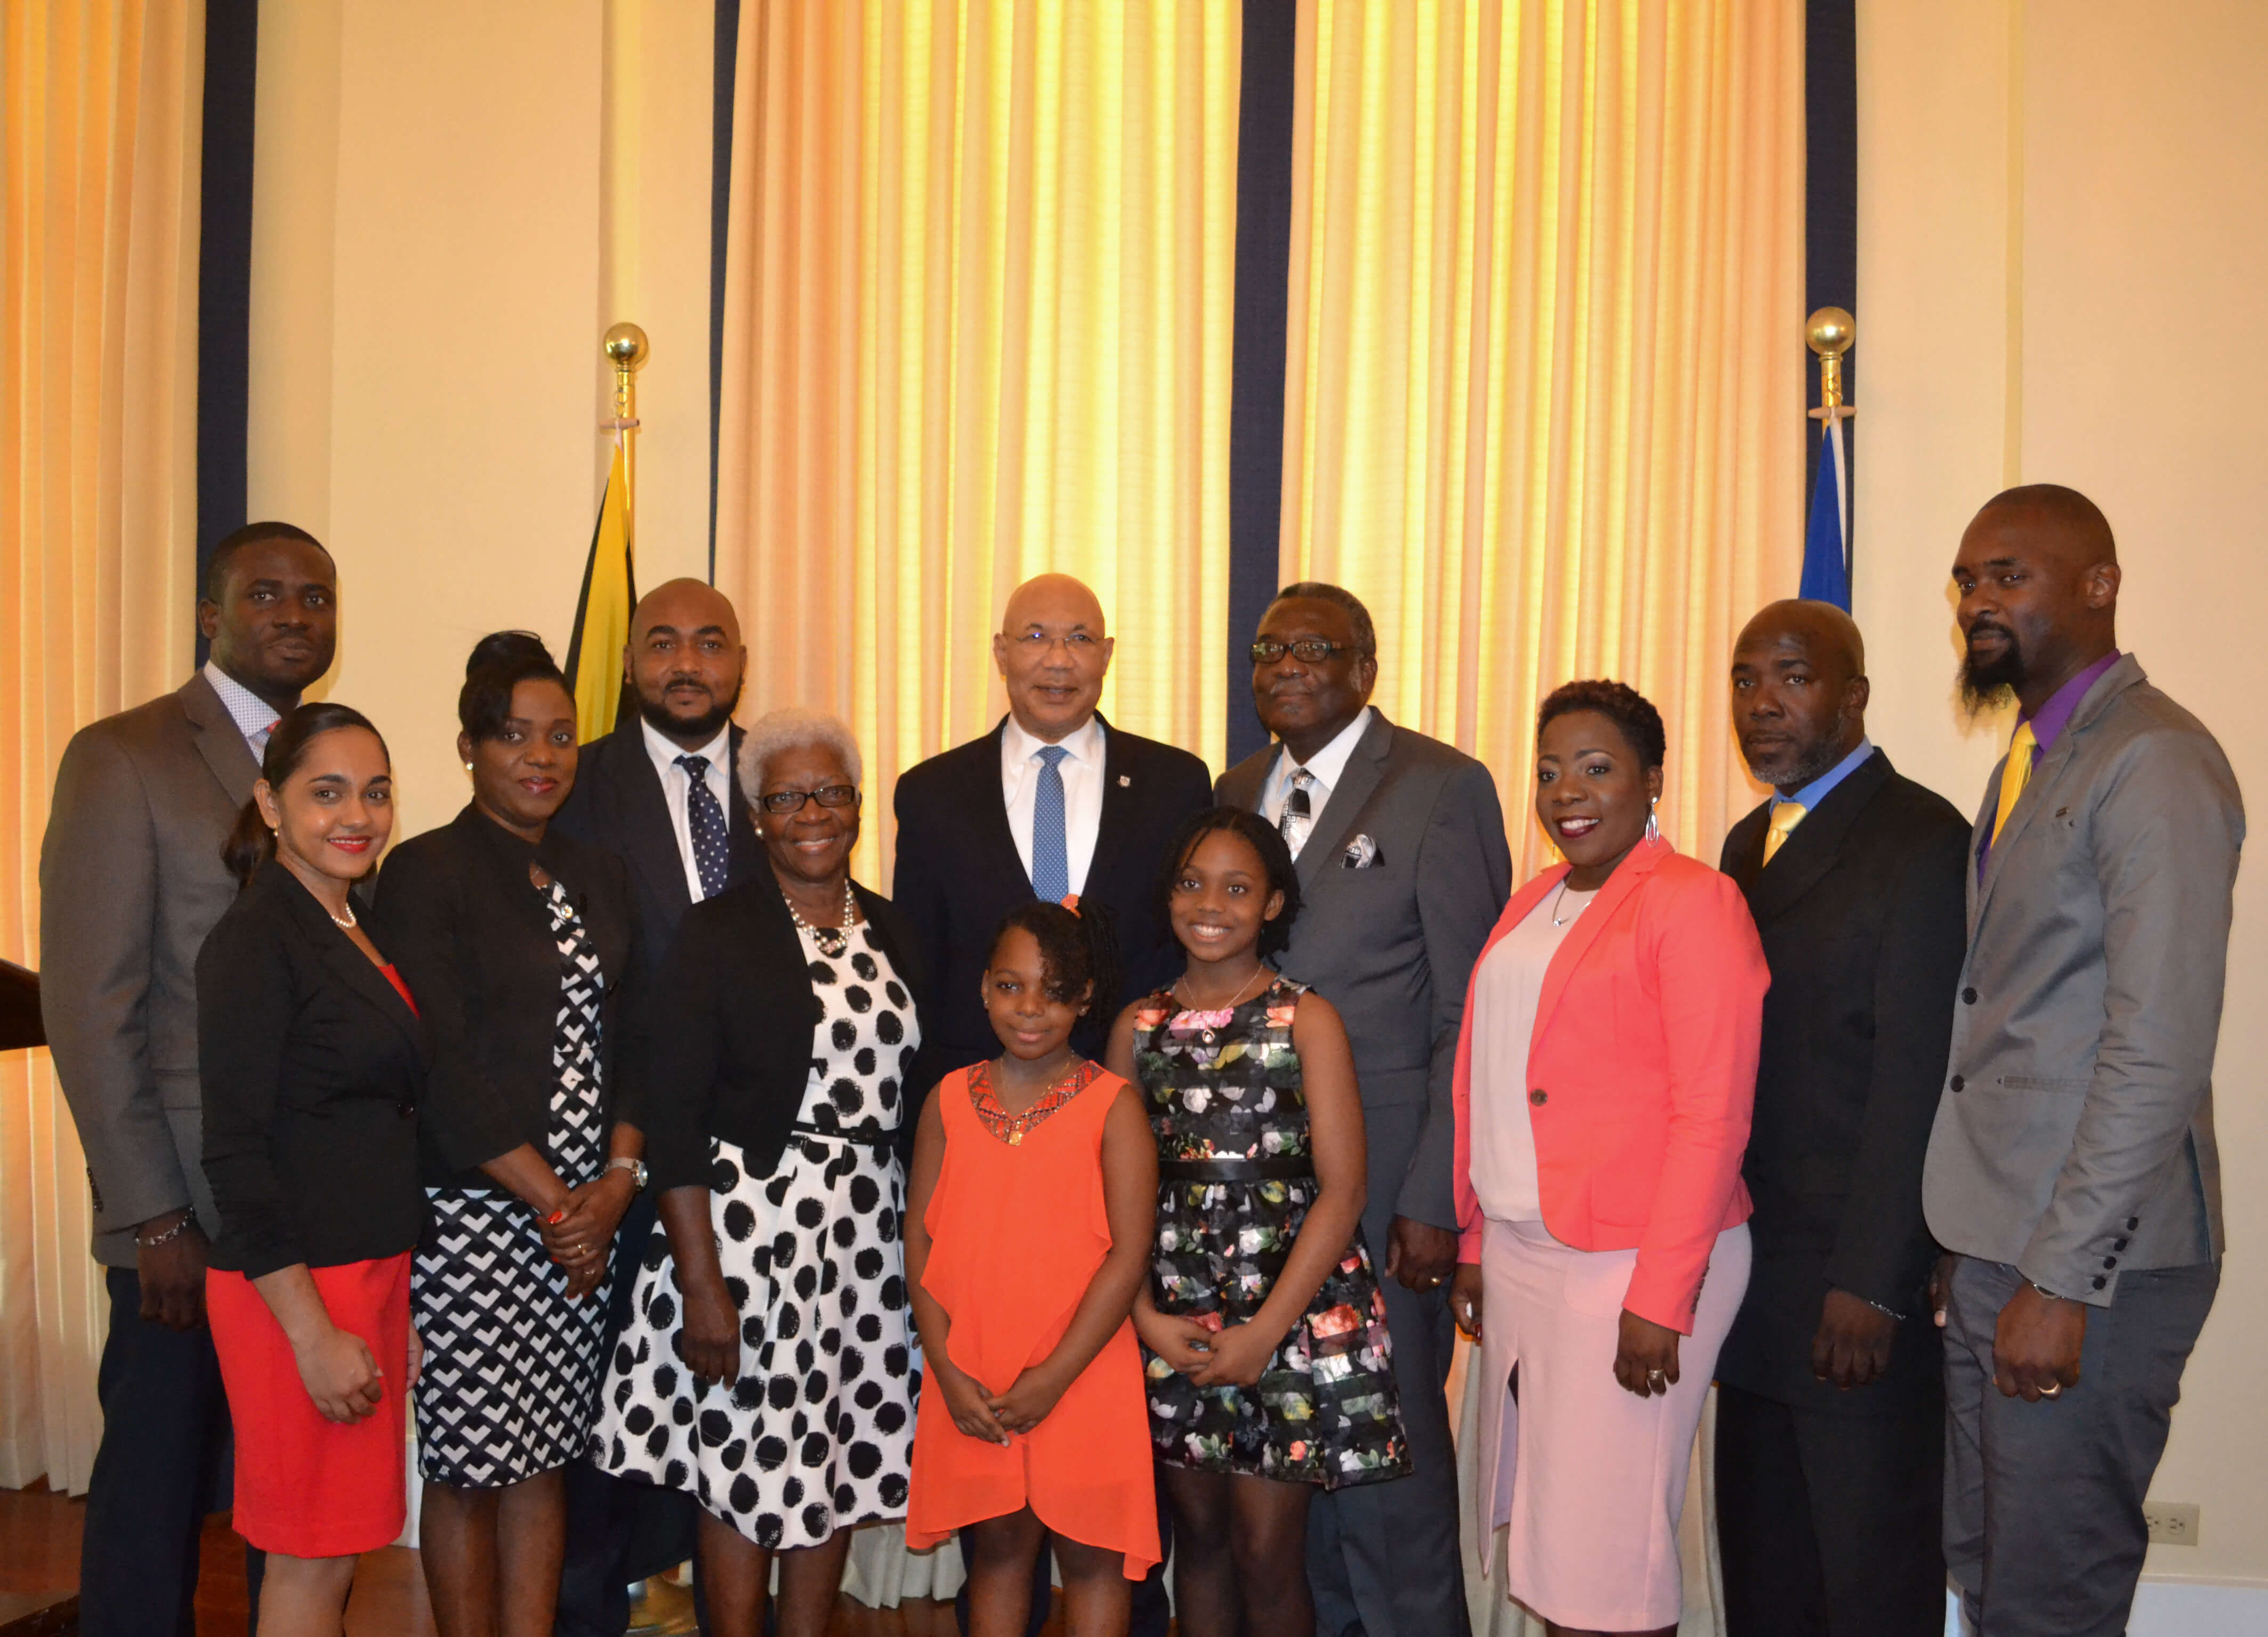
[1404, 868]
[2072, 1175]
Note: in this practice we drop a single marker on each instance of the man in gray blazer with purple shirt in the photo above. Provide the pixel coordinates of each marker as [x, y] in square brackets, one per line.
[1404, 868]
[2071, 1174]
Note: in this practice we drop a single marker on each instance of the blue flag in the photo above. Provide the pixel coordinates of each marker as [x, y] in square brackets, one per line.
[1826, 543]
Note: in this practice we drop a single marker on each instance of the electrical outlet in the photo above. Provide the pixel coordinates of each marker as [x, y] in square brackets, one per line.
[2172, 1522]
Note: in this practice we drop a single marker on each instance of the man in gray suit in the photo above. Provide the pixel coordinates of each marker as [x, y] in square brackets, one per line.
[2072, 1175]
[1403, 868]
[131, 881]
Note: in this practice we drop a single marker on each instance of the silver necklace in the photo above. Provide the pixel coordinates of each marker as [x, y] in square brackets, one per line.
[832, 941]
[1557, 902]
[1181, 986]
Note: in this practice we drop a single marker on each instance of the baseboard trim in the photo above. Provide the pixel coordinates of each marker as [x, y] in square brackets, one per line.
[2179, 1608]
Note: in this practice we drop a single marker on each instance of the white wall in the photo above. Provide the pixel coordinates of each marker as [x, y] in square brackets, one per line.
[451, 202]
[2063, 226]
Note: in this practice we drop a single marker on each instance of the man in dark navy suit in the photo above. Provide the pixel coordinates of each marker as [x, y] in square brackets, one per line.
[1830, 1416]
[1054, 803]
[661, 795]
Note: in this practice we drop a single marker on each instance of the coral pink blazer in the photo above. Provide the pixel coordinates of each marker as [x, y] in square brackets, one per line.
[1641, 1073]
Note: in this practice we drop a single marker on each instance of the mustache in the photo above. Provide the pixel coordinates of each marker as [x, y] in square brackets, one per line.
[1986, 684]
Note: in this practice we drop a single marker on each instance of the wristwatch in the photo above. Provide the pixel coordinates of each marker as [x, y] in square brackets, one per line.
[636, 1167]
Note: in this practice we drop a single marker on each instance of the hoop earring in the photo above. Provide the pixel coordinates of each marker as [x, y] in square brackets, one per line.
[1653, 824]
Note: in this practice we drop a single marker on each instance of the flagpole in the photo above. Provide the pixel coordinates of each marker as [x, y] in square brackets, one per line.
[627, 349]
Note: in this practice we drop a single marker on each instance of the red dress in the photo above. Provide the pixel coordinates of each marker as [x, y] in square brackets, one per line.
[1018, 1229]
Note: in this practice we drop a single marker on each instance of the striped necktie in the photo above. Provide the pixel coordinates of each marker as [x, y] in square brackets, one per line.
[1785, 816]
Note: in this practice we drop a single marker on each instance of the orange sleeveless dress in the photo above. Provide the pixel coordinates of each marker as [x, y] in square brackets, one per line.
[1017, 1230]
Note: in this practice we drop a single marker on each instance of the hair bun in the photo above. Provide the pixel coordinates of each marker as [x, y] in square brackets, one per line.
[503, 648]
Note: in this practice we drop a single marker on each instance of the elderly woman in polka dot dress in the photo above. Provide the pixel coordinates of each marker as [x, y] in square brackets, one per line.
[771, 1366]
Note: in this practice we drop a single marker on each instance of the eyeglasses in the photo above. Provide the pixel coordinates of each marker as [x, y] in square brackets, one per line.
[1308, 650]
[779, 803]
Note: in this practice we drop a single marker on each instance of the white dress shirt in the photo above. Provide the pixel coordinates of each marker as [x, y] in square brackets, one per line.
[255, 718]
[1082, 783]
[1328, 765]
[676, 783]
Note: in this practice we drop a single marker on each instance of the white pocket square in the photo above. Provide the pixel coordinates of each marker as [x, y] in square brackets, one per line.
[1361, 854]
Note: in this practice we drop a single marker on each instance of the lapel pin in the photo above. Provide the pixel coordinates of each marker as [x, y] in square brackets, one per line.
[1125, 780]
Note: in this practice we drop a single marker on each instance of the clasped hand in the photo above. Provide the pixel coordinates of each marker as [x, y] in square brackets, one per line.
[1213, 1355]
[993, 1416]
[582, 1232]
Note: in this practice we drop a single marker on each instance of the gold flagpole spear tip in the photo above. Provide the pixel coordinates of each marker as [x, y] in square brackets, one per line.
[626, 347]
[1828, 332]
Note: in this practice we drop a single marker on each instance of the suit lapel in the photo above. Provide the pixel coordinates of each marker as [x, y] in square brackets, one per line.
[648, 835]
[2041, 789]
[1587, 926]
[1358, 781]
[744, 849]
[350, 964]
[995, 843]
[219, 740]
[1815, 846]
[1241, 785]
[1120, 796]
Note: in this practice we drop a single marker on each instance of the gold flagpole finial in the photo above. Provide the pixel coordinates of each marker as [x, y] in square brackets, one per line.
[1830, 333]
[627, 349]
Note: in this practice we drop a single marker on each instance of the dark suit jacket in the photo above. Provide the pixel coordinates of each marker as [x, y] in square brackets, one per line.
[959, 872]
[471, 937]
[1862, 921]
[618, 807]
[131, 882]
[1393, 945]
[312, 1068]
[732, 1026]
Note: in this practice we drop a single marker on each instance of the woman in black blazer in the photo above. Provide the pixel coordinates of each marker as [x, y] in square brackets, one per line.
[519, 942]
[312, 1059]
[768, 1364]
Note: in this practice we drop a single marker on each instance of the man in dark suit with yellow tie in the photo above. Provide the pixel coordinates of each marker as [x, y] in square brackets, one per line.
[1830, 1403]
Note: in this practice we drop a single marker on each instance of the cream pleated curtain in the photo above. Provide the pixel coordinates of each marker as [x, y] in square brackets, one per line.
[1544, 408]
[978, 325]
[100, 104]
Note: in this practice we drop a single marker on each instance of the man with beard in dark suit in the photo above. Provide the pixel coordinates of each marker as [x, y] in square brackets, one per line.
[1830, 1433]
[661, 795]
[1054, 803]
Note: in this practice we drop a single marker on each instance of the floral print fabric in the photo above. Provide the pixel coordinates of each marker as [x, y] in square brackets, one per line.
[1225, 1085]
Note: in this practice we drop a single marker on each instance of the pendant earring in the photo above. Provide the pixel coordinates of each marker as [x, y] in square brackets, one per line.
[1653, 824]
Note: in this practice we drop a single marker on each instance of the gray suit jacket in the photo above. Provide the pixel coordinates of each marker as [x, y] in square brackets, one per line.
[131, 882]
[2075, 1136]
[1392, 945]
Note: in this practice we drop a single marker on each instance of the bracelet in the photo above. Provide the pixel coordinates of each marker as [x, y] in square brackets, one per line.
[1878, 1308]
[170, 1235]
[2044, 1291]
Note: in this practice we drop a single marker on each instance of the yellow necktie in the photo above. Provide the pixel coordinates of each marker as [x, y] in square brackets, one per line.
[2015, 775]
[1785, 816]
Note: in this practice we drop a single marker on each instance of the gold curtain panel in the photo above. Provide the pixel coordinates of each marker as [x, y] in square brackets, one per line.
[1541, 411]
[980, 284]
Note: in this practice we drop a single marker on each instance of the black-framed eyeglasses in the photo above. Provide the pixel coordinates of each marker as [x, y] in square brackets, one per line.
[779, 803]
[1308, 650]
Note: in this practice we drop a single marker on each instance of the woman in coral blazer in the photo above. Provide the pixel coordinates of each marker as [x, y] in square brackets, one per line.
[1604, 1077]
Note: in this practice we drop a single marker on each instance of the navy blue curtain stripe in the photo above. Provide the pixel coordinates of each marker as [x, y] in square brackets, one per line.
[1830, 223]
[720, 212]
[224, 271]
[1256, 424]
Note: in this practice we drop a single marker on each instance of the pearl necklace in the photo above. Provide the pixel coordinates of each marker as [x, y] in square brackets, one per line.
[832, 941]
[346, 923]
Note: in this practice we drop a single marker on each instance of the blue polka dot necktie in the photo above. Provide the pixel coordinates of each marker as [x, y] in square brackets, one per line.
[705, 820]
[1050, 851]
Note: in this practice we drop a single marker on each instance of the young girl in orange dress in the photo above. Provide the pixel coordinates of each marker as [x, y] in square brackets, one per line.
[1027, 1236]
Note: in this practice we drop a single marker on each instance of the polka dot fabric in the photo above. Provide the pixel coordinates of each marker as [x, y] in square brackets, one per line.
[817, 1433]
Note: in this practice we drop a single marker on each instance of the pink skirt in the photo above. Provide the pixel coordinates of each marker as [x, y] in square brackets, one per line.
[1590, 1478]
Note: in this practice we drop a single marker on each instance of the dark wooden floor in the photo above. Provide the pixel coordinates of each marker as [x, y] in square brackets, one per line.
[39, 1557]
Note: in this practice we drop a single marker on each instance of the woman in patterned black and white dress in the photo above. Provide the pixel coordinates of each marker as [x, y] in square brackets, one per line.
[518, 939]
[770, 1365]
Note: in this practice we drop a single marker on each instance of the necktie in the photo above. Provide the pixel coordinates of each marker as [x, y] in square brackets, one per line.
[260, 739]
[1785, 816]
[1299, 811]
[2015, 775]
[1050, 851]
[704, 821]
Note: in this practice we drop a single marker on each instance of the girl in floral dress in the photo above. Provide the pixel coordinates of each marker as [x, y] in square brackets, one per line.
[1264, 1344]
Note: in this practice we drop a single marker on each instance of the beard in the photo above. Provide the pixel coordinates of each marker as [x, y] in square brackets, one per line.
[1987, 684]
[1818, 757]
[707, 725]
